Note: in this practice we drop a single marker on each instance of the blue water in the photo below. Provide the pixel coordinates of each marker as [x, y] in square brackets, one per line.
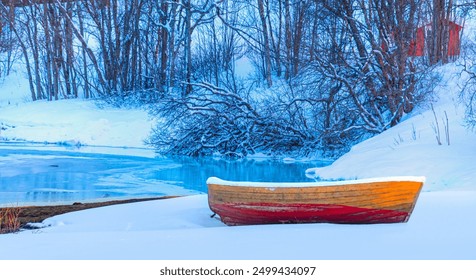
[49, 177]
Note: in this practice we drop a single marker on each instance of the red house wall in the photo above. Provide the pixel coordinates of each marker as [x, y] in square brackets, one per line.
[454, 39]
[417, 46]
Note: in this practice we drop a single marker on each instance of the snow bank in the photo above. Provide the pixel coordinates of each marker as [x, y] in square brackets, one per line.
[75, 123]
[411, 148]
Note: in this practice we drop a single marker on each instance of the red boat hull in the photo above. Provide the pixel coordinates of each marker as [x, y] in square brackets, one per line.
[275, 213]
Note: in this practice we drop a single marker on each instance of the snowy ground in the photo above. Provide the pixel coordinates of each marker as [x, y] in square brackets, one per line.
[182, 229]
[442, 225]
[71, 123]
[74, 122]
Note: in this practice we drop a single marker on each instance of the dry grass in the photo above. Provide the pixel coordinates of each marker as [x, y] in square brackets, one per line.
[9, 219]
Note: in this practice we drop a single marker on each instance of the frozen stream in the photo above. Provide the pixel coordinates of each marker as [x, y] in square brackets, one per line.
[29, 176]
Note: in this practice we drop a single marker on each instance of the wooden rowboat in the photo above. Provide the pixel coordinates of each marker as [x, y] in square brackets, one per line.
[369, 201]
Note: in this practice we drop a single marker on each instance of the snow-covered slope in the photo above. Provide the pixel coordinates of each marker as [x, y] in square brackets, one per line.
[411, 148]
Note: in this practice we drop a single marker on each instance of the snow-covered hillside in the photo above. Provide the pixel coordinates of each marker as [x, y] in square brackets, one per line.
[411, 148]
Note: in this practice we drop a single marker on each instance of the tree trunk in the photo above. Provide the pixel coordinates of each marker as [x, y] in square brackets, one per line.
[288, 39]
[188, 47]
[267, 52]
[164, 47]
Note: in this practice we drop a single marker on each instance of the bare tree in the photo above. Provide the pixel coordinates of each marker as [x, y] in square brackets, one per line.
[8, 17]
[266, 42]
[379, 76]
[438, 35]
